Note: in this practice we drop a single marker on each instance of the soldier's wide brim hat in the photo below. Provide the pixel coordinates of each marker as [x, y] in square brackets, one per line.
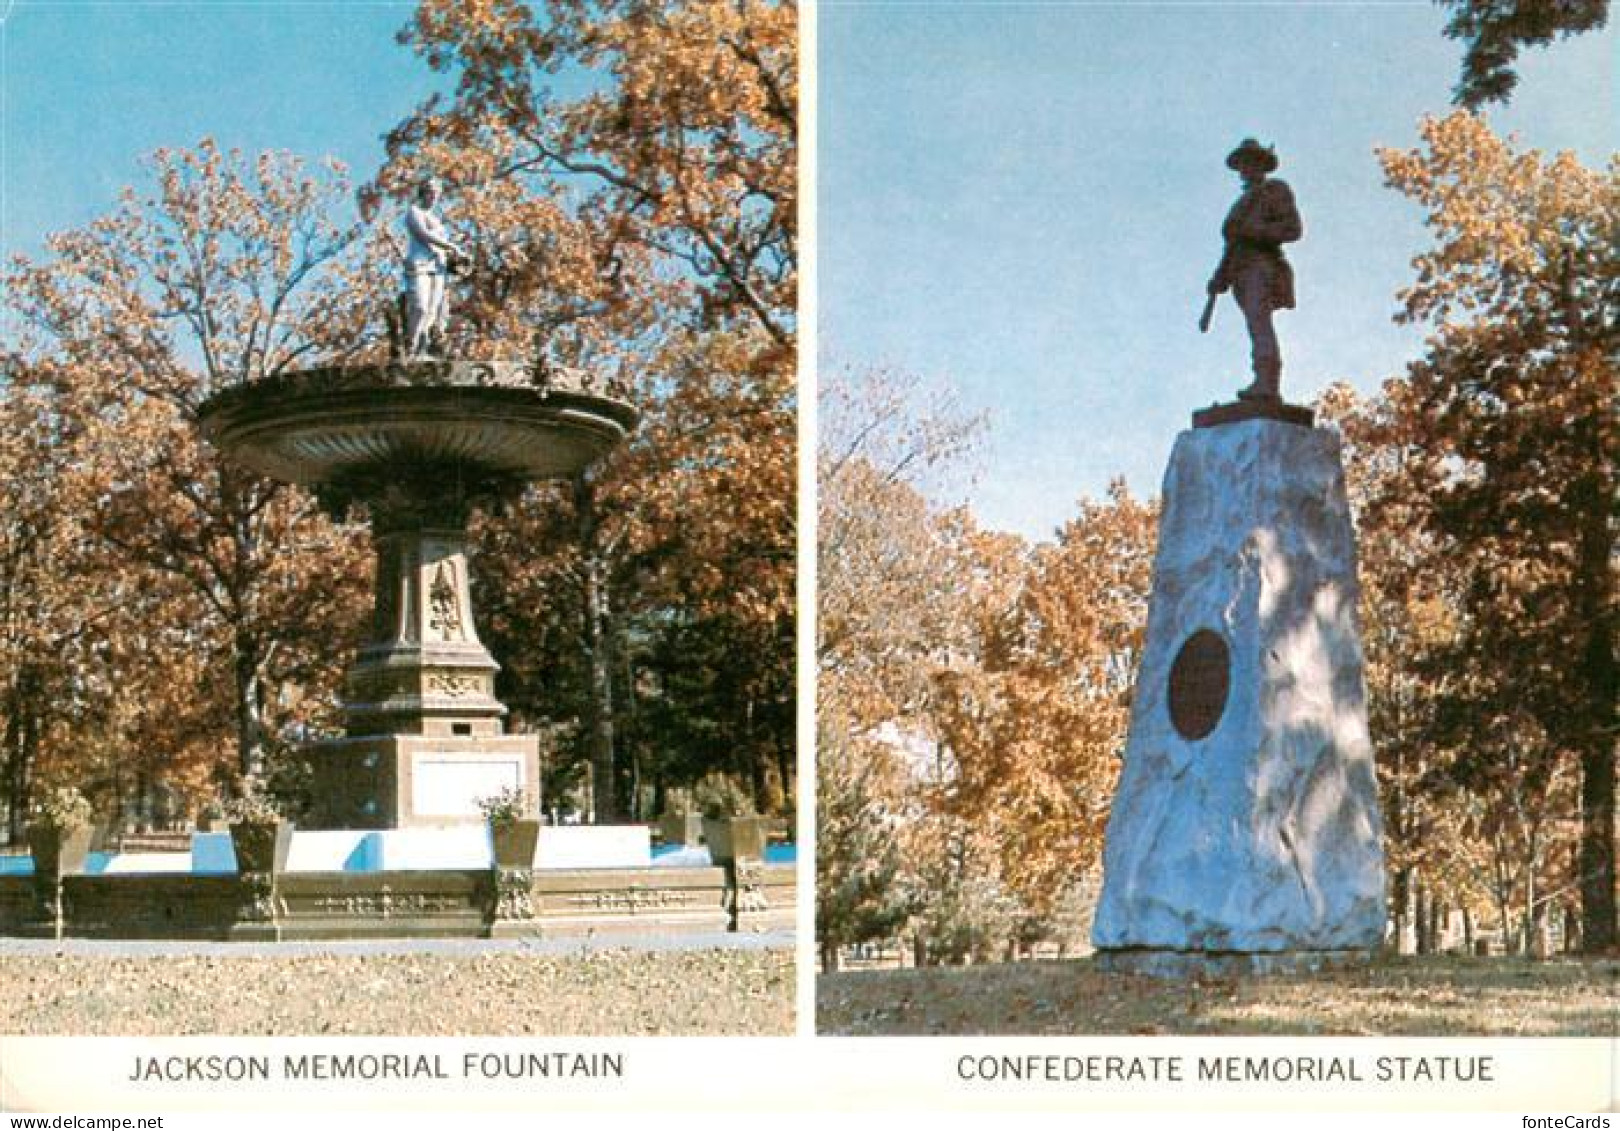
[1251, 152]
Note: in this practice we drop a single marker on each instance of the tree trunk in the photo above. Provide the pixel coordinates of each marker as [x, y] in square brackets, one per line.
[599, 719]
[250, 731]
[22, 742]
[599, 725]
[784, 769]
[1502, 895]
[1405, 928]
[830, 962]
[247, 648]
[1425, 942]
[630, 740]
[1598, 927]
[1600, 931]
[1505, 917]
[1530, 920]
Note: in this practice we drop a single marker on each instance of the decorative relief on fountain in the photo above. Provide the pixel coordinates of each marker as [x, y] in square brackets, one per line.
[455, 685]
[512, 898]
[749, 892]
[632, 900]
[444, 604]
[385, 904]
[257, 899]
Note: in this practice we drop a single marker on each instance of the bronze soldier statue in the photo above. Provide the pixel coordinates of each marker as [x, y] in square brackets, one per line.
[1253, 266]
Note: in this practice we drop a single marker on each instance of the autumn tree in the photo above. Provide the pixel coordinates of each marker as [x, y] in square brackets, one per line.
[627, 172]
[223, 270]
[1514, 457]
[1494, 31]
[1036, 722]
[861, 894]
[891, 608]
[1475, 814]
[891, 600]
[55, 602]
[973, 690]
[963, 909]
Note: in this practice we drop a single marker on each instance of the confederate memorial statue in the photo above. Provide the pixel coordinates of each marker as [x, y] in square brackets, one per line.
[1245, 835]
[1253, 266]
[430, 258]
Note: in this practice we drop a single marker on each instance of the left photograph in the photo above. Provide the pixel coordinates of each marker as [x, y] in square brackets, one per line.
[397, 518]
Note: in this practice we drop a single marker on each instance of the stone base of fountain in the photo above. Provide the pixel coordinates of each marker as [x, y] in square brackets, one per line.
[401, 902]
[401, 781]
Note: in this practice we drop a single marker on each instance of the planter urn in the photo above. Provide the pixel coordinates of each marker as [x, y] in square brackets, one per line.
[261, 846]
[681, 827]
[735, 838]
[58, 851]
[514, 842]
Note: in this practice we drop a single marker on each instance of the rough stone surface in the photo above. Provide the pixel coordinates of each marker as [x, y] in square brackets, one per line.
[1263, 408]
[1263, 835]
[1184, 964]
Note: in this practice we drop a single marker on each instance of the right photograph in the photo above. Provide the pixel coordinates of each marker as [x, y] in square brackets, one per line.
[1217, 520]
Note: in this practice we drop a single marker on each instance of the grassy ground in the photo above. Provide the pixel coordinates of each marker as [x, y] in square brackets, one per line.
[1444, 996]
[602, 993]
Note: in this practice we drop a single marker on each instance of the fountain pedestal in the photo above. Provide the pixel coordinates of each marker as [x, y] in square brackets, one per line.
[420, 445]
[425, 732]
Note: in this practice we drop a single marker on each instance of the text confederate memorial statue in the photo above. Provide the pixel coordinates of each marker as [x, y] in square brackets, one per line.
[1253, 266]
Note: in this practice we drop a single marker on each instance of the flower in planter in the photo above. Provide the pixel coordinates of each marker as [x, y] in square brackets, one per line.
[507, 806]
[62, 809]
[718, 796]
[254, 806]
[514, 829]
[261, 834]
[59, 832]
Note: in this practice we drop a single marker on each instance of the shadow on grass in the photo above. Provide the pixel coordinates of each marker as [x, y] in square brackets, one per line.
[1392, 996]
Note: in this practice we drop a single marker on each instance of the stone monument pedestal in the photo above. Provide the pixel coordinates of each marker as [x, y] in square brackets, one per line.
[1245, 833]
[401, 781]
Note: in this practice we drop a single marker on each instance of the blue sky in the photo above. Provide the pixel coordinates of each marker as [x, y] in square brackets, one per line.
[1020, 199]
[1024, 201]
[90, 87]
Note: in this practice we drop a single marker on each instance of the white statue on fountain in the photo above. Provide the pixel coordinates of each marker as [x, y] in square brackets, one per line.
[430, 258]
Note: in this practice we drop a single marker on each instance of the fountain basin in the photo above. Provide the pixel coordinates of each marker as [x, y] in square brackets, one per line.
[492, 421]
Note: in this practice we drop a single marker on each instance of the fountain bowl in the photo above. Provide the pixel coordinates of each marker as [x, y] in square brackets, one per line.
[341, 425]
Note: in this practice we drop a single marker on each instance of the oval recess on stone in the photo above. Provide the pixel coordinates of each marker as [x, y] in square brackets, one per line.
[1200, 678]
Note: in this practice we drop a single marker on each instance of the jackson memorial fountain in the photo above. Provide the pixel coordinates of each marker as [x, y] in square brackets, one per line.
[396, 842]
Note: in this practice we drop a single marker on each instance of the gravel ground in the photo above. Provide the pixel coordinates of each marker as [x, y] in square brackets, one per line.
[1392, 997]
[469, 990]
